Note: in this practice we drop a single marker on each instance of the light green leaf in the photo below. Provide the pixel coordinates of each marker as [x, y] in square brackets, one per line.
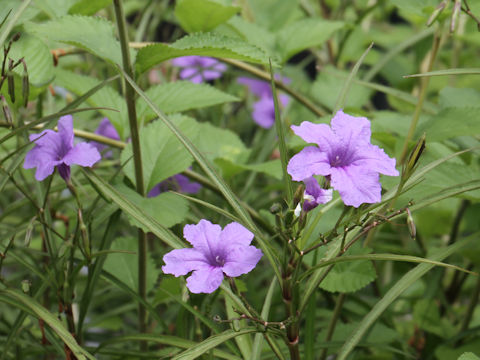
[215, 143]
[125, 266]
[230, 168]
[21, 300]
[12, 6]
[55, 8]
[162, 153]
[37, 57]
[469, 356]
[93, 34]
[464, 97]
[204, 44]
[350, 277]
[170, 97]
[88, 7]
[304, 34]
[105, 97]
[210, 343]
[166, 208]
[203, 15]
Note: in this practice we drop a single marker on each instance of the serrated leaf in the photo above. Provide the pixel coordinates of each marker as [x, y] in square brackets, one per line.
[171, 97]
[167, 208]
[37, 57]
[350, 277]
[452, 122]
[203, 44]
[125, 266]
[93, 34]
[304, 34]
[88, 7]
[216, 143]
[203, 15]
[162, 153]
[105, 97]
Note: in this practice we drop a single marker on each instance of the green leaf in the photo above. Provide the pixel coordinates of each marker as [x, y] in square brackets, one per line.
[162, 153]
[210, 343]
[447, 72]
[107, 97]
[468, 356]
[451, 122]
[170, 97]
[203, 44]
[144, 218]
[22, 300]
[93, 34]
[88, 7]
[37, 57]
[125, 266]
[464, 97]
[230, 168]
[305, 33]
[55, 8]
[167, 208]
[203, 15]
[350, 277]
[395, 291]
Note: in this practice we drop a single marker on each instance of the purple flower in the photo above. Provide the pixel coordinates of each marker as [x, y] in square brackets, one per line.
[57, 149]
[345, 156]
[314, 194]
[198, 69]
[215, 252]
[177, 182]
[105, 129]
[264, 109]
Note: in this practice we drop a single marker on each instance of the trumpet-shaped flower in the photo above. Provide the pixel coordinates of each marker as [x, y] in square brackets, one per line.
[198, 69]
[314, 195]
[105, 129]
[215, 252]
[263, 109]
[56, 149]
[344, 154]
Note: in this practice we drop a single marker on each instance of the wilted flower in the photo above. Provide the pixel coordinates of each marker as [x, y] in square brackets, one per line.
[345, 156]
[198, 69]
[177, 182]
[263, 109]
[105, 129]
[314, 194]
[215, 252]
[57, 149]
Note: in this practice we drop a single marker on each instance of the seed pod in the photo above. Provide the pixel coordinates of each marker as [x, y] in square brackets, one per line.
[11, 82]
[455, 13]
[25, 84]
[436, 13]
[16, 37]
[298, 196]
[411, 224]
[415, 155]
[6, 111]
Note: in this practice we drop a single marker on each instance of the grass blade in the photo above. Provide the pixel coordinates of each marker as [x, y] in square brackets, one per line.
[447, 72]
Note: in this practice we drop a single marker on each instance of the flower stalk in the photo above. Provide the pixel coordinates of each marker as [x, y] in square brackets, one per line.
[137, 159]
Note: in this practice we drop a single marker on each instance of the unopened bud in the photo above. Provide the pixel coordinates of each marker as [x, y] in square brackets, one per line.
[25, 84]
[298, 196]
[456, 11]
[415, 154]
[16, 37]
[411, 224]
[436, 13]
[276, 208]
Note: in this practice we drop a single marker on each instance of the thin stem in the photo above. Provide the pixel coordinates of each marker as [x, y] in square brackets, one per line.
[137, 159]
[333, 323]
[421, 97]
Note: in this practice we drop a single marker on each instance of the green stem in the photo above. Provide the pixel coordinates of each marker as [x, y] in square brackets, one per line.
[421, 97]
[333, 323]
[137, 159]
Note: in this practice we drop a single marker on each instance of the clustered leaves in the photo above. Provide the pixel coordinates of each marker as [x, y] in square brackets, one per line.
[302, 197]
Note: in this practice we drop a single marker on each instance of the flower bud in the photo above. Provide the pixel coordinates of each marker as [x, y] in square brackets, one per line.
[276, 208]
[415, 155]
[6, 111]
[436, 13]
[26, 284]
[298, 196]
[25, 84]
[16, 37]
